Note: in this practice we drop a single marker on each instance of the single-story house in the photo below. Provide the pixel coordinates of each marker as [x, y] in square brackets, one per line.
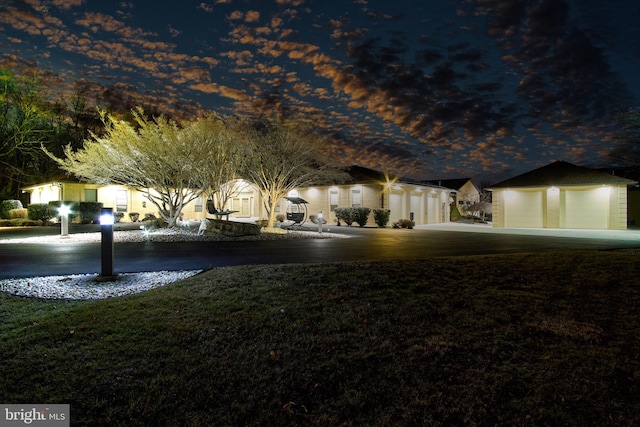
[561, 195]
[420, 202]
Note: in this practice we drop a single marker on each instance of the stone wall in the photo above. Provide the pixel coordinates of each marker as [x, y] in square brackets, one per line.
[233, 228]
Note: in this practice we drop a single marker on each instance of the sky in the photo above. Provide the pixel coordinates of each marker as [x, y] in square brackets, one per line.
[427, 89]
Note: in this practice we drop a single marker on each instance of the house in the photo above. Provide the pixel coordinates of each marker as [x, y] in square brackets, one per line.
[467, 192]
[420, 202]
[561, 195]
[121, 198]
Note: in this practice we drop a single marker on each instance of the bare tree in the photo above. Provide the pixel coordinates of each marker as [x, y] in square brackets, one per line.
[170, 164]
[281, 156]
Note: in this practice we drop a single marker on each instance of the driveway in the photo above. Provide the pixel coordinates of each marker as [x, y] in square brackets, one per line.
[28, 260]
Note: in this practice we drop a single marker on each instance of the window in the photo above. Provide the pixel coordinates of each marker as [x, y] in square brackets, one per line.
[121, 200]
[198, 204]
[90, 195]
[356, 198]
[333, 199]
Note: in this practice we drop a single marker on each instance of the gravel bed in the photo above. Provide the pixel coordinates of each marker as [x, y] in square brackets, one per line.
[89, 287]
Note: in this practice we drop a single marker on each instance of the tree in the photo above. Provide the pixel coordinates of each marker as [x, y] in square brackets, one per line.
[281, 156]
[170, 164]
[627, 150]
[221, 178]
[23, 128]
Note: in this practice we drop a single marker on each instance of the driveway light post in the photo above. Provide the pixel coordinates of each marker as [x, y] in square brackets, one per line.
[64, 210]
[106, 229]
[320, 222]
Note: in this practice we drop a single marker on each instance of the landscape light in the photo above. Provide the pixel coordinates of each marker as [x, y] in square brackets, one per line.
[106, 229]
[106, 217]
[64, 211]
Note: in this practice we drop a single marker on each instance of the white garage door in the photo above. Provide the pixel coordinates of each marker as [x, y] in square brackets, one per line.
[395, 205]
[523, 209]
[586, 208]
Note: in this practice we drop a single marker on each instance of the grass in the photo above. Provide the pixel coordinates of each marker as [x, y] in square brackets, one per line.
[526, 339]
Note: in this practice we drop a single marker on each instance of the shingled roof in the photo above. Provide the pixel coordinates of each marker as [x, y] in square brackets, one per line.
[562, 173]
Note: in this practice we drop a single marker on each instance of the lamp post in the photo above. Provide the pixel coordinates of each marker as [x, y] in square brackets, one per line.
[64, 211]
[106, 229]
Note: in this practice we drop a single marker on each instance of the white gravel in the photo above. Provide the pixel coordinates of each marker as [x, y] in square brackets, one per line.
[89, 287]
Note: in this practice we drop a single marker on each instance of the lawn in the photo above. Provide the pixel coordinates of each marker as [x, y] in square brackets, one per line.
[526, 339]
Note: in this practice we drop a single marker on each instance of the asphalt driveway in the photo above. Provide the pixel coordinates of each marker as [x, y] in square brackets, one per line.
[28, 260]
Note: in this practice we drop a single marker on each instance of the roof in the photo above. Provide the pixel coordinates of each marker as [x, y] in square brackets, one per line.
[455, 183]
[562, 173]
[362, 175]
[297, 200]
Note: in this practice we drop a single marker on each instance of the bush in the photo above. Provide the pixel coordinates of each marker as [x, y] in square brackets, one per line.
[361, 216]
[19, 213]
[280, 218]
[381, 217]
[403, 223]
[90, 212]
[118, 216]
[8, 205]
[455, 213]
[345, 215]
[39, 212]
[134, 216]
[54, 207]
[151, 222]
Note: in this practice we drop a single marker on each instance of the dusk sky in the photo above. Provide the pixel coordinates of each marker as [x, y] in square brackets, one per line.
[424, 88]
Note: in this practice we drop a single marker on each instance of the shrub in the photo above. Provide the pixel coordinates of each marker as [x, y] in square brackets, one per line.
[19, 213]
[345, 215]
[54, 207]
[361, 216]
[455, 213]
[90, 212]
[39, 212]
[118, 216]
[403, 223]
[8, 205]
[381, 217]
[152, 222]
[134, 216]
[280, 218]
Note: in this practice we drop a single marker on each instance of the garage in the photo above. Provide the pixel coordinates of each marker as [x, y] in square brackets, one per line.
[523, 209]
[562, 195]
[586, 208]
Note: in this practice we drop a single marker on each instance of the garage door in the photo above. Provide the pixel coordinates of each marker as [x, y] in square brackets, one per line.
[586, 208]
[523, 209]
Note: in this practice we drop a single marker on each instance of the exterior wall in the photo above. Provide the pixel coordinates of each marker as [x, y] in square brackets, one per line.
[427, 205]
[497, 208]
